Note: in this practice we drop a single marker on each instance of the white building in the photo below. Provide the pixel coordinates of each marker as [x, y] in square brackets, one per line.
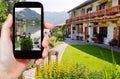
[96, 20]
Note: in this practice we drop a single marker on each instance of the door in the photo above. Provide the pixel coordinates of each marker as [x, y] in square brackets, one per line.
[86, 33]
[102, 34]
[119, 37]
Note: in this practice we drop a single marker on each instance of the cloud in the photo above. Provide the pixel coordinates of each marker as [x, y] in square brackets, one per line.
[59, 5]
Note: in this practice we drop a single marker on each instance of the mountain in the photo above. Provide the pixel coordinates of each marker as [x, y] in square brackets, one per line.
[55, 17]
[27, 14]
[50, 17]
[32, 20]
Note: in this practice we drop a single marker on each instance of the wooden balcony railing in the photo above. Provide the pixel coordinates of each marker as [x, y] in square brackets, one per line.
[68, 20]
[113, 10]
[100, 13]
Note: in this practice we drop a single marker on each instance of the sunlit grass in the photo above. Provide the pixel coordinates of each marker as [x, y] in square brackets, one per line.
[82, 62]
[93, 57]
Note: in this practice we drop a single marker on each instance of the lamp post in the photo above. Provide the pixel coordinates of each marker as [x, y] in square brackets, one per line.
[24, 25]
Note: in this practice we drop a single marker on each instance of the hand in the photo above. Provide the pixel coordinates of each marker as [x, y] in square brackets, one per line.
[9, 66]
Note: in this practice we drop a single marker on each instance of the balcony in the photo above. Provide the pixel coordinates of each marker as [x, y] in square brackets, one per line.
[68, 21]
[112, 11]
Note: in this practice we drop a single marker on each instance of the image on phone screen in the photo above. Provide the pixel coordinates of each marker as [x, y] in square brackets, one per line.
[27, 28]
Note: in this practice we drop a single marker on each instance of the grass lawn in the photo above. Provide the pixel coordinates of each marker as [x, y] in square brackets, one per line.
[17, 44]
[93, 57]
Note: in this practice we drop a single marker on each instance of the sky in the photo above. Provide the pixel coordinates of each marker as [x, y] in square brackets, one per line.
[59, 5]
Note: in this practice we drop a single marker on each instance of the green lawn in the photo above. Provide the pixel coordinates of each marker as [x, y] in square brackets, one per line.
[17, 44]
[93, 57]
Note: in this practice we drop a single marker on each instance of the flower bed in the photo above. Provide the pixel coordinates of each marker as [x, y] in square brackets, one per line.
[75, 71]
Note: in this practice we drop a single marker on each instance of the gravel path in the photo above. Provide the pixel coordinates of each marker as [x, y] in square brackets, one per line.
[29, 74]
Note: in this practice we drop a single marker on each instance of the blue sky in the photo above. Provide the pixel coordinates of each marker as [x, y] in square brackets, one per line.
[59, 5]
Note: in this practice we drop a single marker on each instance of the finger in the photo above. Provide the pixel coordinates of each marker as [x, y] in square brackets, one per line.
[39, 61]
[48, 26]
[45, 53]
[45, 41]
[8, 22]
[5, 32]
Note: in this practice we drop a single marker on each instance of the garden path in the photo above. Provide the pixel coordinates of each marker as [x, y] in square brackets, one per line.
[29, 74]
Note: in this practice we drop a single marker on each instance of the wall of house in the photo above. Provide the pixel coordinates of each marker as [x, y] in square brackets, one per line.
[73, 32]
[84, 25]
[70, 15]
[110, 28]
[110, 34]
[86, 7]
[90, 33]
[95, 6]
[79, 12]
[92, 25]
[76, 13]
[114, 2]
[71, 36]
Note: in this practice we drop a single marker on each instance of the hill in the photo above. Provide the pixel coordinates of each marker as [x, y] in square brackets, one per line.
[27, 14]
[50, 17]
[55, 17]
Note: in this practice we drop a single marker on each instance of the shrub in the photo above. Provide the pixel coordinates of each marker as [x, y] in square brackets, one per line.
[94, 75]
[62, 71]
[60, 35]
[37, 73]
[36, 40]
[110, 72]
[113, 42]
[75, 71]
[26, 43]
[52, 41]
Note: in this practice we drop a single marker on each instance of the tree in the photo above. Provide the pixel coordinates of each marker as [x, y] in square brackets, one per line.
[9, 5]
[6, 7]
[2, 12]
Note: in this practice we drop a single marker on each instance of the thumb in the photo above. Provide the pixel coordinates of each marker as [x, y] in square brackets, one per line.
[6, 52]
[5, 31]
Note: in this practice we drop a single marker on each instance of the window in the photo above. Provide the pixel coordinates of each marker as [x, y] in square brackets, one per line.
[103, 6]
[73, 28]
[94, 31]
[89, 10]
[74, 13]
[103, 31]
[82, 11]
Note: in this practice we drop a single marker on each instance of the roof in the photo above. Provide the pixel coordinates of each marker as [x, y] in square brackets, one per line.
[83, 4]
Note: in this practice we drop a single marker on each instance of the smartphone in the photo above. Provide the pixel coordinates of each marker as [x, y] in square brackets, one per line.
[27, 30]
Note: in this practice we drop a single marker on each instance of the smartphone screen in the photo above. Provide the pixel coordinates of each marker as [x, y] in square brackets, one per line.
[28, 23]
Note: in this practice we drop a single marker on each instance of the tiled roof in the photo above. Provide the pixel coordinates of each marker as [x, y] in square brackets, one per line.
[83, 4]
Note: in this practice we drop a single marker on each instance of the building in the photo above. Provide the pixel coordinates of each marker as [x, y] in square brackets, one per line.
[96, 21]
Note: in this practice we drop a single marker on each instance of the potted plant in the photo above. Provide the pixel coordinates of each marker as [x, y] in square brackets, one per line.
[93, 39]
[87, 38]
[113, 42]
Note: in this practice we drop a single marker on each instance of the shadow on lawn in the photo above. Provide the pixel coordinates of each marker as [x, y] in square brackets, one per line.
[99, 52]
